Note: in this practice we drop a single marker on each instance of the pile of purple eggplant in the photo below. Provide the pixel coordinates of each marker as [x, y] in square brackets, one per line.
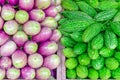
[29, 38]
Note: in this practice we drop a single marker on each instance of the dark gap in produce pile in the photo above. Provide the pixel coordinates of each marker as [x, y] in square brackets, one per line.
[91, 36]
[29, 39]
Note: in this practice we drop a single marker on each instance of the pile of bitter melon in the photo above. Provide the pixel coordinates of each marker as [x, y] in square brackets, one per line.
[91, 36]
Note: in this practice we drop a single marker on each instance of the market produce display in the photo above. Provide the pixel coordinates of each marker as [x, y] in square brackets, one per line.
[91, 37]
[29, 39]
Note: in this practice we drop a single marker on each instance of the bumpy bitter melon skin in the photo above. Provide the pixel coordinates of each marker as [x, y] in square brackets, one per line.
[71, 74]
[62, 21]
[67, 42]
[106, 52]
[74, 25]
[118, 47]
[78, 15]
[117, 17]
[117, 55]
[93, 74]
[68, 52]
[106, 5]
[104, 73]
[80, 48]
[77, 36]
[105, 15]
[115, 26]
[86, 8]
[97, 42]
[92, 53]
[84, 59]
[82, 71]
[111, 63]
[69, 5]
[116, 73]
[111, 41]
[65, 33]
[93, 3]
[91, 32]
[98, 63]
